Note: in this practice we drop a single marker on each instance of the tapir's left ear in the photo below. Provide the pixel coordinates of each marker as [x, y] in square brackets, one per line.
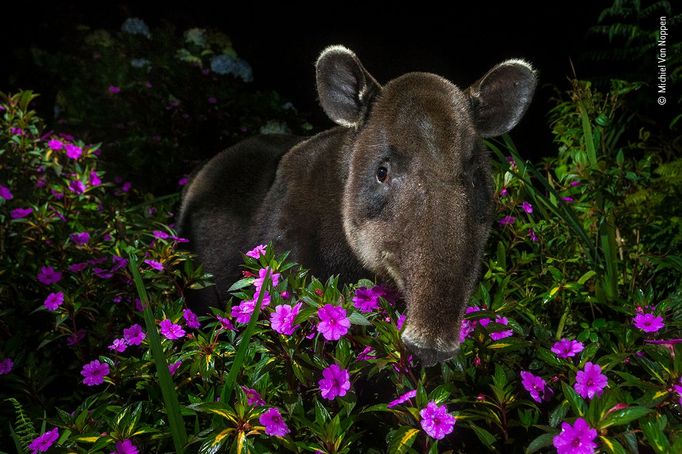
[501, 97]
[345, 88]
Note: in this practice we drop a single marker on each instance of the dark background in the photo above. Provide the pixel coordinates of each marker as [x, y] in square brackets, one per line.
[282, 42]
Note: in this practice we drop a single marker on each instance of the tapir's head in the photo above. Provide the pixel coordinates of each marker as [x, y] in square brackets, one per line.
[417, 204]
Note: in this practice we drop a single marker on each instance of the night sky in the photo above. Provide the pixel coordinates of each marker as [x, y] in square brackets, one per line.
[281, 43]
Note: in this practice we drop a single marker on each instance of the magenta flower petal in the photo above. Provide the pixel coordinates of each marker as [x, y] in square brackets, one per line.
[19, 213]
[94, 372]
[282, 319]
[253, 397]
[43, 442]
[566, 348]
[5, 193]
[333, 322]
[48, 275]
[536, 386]
[170, 330]
[590, 381]
[336, 382]
[649, 323]
[125, 447]
[257, 252]
[575, 439]
[53, 301]
[191, 319]
[436, 421]
[6, 366]
[274, 423]
[402, 398]
[158, 266]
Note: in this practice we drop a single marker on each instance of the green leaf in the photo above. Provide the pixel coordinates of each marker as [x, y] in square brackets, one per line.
[612, 445]
[577, 403]
[543, 441]
[356, 318]
[624, 416]
[483, 435]
[240, 284]
[653, 432]
[401, 439]
[170, 397]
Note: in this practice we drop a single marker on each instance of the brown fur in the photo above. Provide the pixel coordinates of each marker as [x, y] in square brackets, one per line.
[423, 229]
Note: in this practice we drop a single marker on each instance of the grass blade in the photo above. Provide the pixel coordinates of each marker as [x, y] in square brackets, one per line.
[170, 397]
[244, 344]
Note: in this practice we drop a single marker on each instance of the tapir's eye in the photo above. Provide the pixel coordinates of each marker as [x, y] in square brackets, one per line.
[382, 174]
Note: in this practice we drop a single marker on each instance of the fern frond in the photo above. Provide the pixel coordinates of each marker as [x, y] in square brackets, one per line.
[24, 430]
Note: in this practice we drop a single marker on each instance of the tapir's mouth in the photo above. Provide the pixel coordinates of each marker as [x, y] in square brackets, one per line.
[430, 352]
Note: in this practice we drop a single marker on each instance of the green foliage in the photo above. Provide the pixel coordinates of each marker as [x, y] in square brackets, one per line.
[183, 97]
[23, 431]
[589, 241]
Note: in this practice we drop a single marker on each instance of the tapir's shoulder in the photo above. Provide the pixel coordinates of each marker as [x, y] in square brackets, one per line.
[319, 150]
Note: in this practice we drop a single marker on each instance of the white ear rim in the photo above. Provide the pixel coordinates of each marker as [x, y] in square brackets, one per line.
[337, 48]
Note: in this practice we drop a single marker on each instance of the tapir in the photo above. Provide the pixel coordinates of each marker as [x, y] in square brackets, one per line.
[400, 190]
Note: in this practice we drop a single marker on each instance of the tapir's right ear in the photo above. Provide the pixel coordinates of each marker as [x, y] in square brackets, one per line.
[345, 88]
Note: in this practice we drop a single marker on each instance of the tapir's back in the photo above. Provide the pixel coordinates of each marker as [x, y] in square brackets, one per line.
[221, 199]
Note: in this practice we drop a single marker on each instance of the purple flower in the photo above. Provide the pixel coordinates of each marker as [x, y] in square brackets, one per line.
[504, 192]
[501, 334]
[436, 421]
[212, 100]
[242, 313]
[94, 179]
[402, 399]
[465, 329]
[191, 319]
[77, 187]
[43, 442]
[170, 330]
[158, 266]
[172, 368]
[253, 397]
[566, 348]
[257, 252]
[282, 319]
[225, 323]
[73, 151]
[5, 193]
[119, 345]
[364, 355]
[53, 301]
[527, 207]
[567, 199]
[274, 277]
[531, 234]
[333, 322]
[590, 381]
[19, 213]
[55, 144]
[183, 181]
[94, 372]
[114, 90]
[16, 131]
[536, 386]
[80, 237]
[125, 187]
[160, 234]
[575, 183]
[76, 338]
[118, 262]
[6, 366]
[649, 323]
[366, 300]
[677, 388]
[274, 423]
[48, 275]
[336, 382]
[401, 321]
[125, 447]
[575, 439]
[507, 220]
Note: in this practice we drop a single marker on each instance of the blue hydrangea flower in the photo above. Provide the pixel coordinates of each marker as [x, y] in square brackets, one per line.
[139, 62]
[135, 26]
[224, 64]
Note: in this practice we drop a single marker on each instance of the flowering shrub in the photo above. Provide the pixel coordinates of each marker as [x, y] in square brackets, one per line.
[570, 344]
[158, 98]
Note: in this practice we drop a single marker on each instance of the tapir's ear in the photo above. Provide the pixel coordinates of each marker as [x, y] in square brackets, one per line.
[345, 88]
[500, 98]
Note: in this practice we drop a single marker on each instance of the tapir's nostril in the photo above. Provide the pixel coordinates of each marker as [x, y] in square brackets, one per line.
[428, 354]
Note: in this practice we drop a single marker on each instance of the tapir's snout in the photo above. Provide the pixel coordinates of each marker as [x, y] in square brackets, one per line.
[429, 353]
